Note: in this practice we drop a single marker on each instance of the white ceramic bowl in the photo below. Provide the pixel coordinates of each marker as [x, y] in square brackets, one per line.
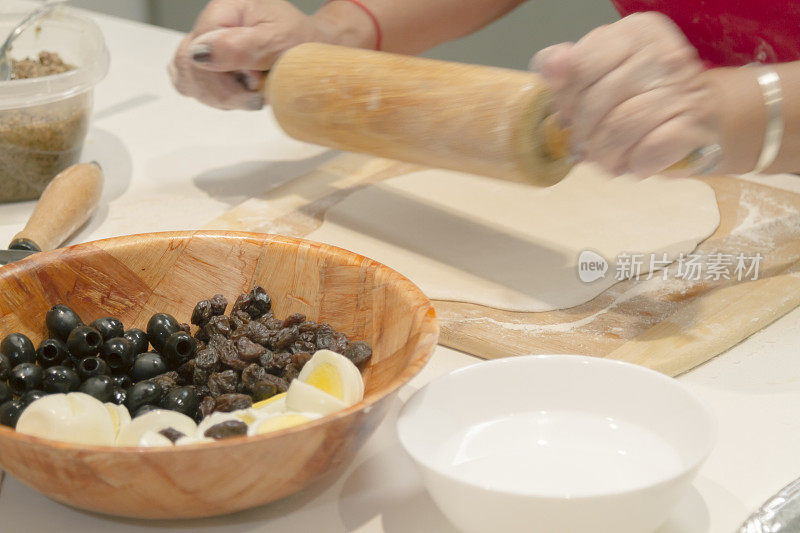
[556, 443]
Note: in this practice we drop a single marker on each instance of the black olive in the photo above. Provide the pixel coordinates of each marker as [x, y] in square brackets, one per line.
[159, 328]
[182, 399]
[51, 352]
[9, 413]
[144, 393]
[31, 396]
[145, 409]
[5, 393]
[18, 348]
[61, 320]
[147, 365]
[84, 341]
[117, 354]
[138, 340]
[123, 381]
[5, 367]
[118, 396]
[179, 348]
[109, 327]
[100, 387]
[92, 366]
[60, 379]
[25, 377]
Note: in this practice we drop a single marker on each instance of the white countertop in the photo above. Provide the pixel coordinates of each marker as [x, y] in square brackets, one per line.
[174, 164]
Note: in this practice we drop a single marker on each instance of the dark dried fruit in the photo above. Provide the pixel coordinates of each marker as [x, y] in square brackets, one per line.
[259, 302]
[207, 359]
[248, 350]
[218, 305]
[251, 376]
[202, 390]
[290, 372]
[239, 319]
[167, 381]
[172, 434]
[233, 402]
[271, 323]
[255, 331]
[229, 357]
[221, 383]
[339, 342]
[325, 337]
[286, 337]
[201, 313]
[200, 376]
[308, 327]
[186, 328]
[300, 359]
[266, 358]
[186, 371]
[294, 320]
[218, 325]
[264, 390]
[358, 352]
[281, 385]
[207, 406]
[278, 363]
[302, 346]
[226, 429]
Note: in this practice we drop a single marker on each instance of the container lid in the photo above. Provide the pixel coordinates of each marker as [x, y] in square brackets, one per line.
[74, 37]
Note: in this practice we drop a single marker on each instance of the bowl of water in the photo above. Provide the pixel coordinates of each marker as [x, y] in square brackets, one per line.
[556, 443]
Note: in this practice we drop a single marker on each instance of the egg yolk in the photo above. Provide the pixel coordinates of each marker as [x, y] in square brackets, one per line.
[326, 378]
[268, 401]
[281, 422]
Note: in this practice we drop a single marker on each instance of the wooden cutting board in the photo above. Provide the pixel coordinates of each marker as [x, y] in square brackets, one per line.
[671, 325]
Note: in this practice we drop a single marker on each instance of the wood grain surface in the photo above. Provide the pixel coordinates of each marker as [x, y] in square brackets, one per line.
[135, 276]
[671, 325]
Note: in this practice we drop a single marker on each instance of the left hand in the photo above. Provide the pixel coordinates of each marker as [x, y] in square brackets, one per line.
[633, 94]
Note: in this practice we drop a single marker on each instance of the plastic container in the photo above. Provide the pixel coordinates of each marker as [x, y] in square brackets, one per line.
[44, 121]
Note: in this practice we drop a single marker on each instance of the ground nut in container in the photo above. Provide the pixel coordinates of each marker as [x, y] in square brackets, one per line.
[44, 120]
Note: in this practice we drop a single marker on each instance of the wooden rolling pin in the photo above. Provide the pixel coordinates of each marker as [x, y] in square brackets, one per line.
[483, 120]
[65, 205]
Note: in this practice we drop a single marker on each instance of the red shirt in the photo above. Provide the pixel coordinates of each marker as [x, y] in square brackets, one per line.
[732, 32]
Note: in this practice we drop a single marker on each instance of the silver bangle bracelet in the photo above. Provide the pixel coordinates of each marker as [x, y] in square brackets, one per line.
[770, 84]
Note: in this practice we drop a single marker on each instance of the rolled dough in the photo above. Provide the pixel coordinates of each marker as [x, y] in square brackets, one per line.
[512, 246]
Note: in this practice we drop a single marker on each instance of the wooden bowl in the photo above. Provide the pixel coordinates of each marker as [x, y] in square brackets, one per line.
[135, 276]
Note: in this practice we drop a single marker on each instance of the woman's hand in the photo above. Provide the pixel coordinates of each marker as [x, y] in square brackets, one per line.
[633, 94]
[223, 60]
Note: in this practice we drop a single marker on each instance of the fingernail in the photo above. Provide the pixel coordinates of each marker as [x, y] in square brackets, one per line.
[200, 52]
[256, 103]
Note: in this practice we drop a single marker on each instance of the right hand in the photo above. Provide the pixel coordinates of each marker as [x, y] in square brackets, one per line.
[223, 61]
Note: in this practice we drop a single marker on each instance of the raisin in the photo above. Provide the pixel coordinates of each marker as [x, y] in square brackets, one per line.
[202, 390]
[280, 384]
[302, 346]
[272, 323]
[239, 319]
[294, 320]
[308, 327]
[186, 327]
[263, 390]
[299, 359]
[226, 430]
[278, 363]
[218, 305]
[202, 313]
[186, 371]
[290, 372]
[233, 402]
[325, 335]
[223, 382]
[339, 342]
[255, 331]
[167, 381]
[172, 434]
[207, 406]
[248, 350]
[358, 352]
[265, 359]
[218, 325]
[252, 375]
[200, 376]
[259, 302]
[229, 357]
[201, 335]
[207, 359]
[286, 337]
[308, 336]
